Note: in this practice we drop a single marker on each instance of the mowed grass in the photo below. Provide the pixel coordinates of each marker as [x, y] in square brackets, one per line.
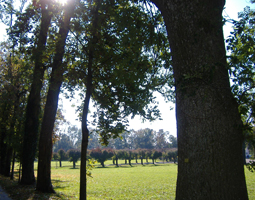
[124, 182]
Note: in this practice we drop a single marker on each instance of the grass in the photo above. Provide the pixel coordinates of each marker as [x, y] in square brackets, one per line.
[125, 182]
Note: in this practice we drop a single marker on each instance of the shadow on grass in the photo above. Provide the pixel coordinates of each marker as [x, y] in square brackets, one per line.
[25, 192]
[57, 182]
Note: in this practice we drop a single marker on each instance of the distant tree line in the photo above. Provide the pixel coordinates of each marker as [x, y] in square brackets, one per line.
[138, 156]
[131, 140]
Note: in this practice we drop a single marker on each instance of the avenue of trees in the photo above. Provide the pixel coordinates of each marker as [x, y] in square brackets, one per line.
[103, 154]
[141, 139]
[117, 52]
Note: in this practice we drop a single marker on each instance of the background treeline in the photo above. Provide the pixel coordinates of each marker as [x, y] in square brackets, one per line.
[140, 139]
[138, 156]
[139, 146]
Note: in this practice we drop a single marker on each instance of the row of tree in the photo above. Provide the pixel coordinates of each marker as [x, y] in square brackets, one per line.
[101, 155]
[117, 52]
[143, 138]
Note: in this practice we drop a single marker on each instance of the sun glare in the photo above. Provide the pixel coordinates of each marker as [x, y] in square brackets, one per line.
[62, 1]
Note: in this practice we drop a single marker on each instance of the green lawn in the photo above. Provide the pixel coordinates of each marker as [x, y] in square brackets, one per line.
[125, 182]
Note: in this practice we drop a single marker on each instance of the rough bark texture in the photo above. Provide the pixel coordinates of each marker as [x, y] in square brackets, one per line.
[33, 104]
[209, 128]
[50, 110]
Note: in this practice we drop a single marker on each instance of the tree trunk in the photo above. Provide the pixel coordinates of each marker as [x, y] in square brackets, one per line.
[8, 156]
[117, 161]
[60, 164]
[209, 128]
[34, 99]
[13, 165]
[85, 131]
[74, 164]
[50, 110]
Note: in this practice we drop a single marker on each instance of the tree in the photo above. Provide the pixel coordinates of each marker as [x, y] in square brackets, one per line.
[74, 155]
[242, 70]
[155, 155]
[50, 110]
[119, 87]
[241, 64]
[160, 139]
[208, 123]
[61, 156]
[33, 105]
[141, 154]
[15, 78]
[101, 155]
[64, 143]
[173, 141]
[144, 139]
[172, 155]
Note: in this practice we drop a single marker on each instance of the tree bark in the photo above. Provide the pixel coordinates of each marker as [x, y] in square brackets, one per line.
[33, 105]
[50, 110]
[209, 128]
[85, 131]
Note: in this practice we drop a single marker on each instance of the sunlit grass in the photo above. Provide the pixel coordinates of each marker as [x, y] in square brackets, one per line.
[124, 182]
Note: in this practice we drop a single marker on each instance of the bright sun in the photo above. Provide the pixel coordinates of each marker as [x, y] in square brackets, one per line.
[62, 1]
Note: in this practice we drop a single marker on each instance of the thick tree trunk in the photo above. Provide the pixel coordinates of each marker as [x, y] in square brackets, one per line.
[50, 110]
[34, 99]
[210, 163]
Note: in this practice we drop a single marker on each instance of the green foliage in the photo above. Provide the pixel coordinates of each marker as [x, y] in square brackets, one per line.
[172, 155]
[241, 45]
[64, 143]
[155, 155]
[101, 155]
[55, 156]
[144, 139]
[74, 155]
[251, 166]
[173, 141]
[62, 154]
[89, 166]
[129, 53]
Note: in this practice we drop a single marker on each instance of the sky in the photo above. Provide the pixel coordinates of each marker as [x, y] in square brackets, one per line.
[167, 110]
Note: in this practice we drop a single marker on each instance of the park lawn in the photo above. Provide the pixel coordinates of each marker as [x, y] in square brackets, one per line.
[124, 182]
